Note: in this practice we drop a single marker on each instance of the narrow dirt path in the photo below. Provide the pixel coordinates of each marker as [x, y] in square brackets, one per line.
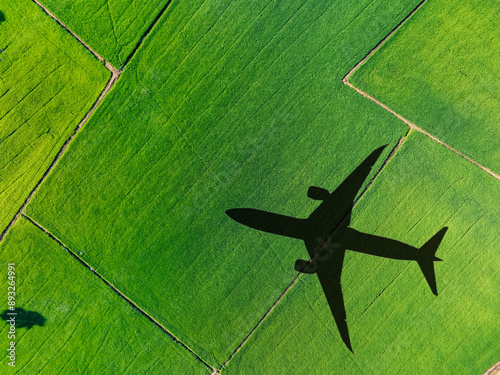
[415, 127]
[379, 44]
[495, 370]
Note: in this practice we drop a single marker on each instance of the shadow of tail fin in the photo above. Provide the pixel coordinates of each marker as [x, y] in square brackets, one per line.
[427, 257]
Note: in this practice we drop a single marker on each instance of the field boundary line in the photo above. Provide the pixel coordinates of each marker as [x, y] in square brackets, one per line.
[494, 370]
[379, 44]
[247, 337]
[146, 33]
[117, 291]
[285, 291]
[109, 85]
[412, 126]
[96, 55]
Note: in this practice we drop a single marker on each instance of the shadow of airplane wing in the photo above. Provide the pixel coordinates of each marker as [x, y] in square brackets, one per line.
[329, 272]
[269, 222]
[342, 199]
[332, 287]
[349, 188]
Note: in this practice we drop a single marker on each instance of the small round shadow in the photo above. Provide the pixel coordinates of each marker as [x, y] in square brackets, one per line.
[22, 318]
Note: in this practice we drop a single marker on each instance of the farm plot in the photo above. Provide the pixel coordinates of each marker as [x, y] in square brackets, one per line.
[72, 323]
[441, 71]
[397, 325]
[48, 83]
[225, 105]
[111, 28]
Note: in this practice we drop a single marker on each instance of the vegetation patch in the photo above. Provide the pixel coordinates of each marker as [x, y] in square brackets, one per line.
[440, 71]
[48, 83]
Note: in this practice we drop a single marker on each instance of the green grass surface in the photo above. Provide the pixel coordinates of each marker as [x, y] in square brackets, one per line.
[48, 81]
[111, 28]
[88, 328]
[440, 71]
[226, 104]
[397, 325]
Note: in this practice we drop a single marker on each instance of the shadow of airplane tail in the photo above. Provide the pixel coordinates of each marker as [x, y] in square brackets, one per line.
[427, 257]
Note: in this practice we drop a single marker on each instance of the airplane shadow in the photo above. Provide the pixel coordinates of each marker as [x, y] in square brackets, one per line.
[23, 318]
[327, 235]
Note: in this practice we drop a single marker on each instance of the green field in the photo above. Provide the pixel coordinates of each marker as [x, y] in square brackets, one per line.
[224, 116]
[397, 325]
[440, 71]
[111, 28]
[226, 104]
[48, 83]
[88, 329]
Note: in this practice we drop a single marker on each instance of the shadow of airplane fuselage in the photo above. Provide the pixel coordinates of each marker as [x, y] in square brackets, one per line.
[327, 235]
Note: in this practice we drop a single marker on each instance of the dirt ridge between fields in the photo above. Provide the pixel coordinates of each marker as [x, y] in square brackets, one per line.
[147, 32]
[494, 370]
[379, 44]
[412, 126]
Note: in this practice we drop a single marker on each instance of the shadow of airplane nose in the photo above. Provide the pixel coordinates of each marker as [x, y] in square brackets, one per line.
[241, 215]
[233, 213]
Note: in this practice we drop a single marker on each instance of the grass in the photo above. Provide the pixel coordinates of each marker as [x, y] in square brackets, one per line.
[112, 28]
[88, 328]
[438, 71]
[224, 105]
[397, 325]
[229, 104]
[48, 83]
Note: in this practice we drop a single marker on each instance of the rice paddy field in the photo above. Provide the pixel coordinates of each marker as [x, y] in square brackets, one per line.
[123, 153]
[48, 84]
[441, 72]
